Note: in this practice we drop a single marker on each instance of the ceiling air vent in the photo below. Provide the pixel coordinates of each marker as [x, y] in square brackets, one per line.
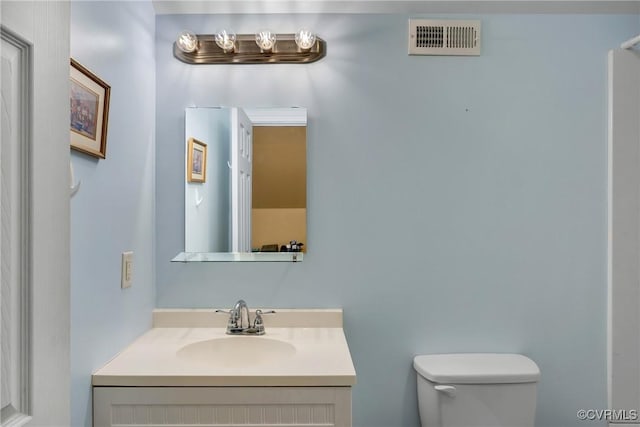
[444, 37]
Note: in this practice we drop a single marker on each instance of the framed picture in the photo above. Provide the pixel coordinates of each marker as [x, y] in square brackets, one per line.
[89, 102]
[196, 161]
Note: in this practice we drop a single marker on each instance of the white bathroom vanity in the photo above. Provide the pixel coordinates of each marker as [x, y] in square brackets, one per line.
[188, 371]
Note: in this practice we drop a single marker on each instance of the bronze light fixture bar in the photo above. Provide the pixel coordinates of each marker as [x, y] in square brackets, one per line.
[285, 51]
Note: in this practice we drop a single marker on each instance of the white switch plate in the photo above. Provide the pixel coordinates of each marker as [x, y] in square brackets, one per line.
[127, 270]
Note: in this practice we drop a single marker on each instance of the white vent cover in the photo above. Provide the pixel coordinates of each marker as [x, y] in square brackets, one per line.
[444, 37]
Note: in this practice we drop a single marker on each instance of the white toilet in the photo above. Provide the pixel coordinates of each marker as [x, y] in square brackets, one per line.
[476, 389]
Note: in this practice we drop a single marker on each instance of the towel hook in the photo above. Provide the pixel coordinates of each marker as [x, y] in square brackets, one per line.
[73, 188]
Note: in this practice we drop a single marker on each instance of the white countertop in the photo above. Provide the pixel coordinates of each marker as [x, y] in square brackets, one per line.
[321, 358]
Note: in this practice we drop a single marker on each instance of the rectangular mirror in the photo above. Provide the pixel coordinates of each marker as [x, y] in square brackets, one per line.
[245, 184]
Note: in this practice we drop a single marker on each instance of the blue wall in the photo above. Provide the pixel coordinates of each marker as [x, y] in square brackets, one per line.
[207, 224]
[113, 210]
[455, 204]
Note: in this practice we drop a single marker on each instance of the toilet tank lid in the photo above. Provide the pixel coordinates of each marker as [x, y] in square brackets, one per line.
[477, 368]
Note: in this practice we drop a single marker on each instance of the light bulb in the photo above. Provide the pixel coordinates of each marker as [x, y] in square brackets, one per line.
[305, 39]
[226, 41]
[187, 41]
[266, 40]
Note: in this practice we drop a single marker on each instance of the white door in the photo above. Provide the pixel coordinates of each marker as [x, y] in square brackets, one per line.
[241, 166]
[624, 230]
[34, 206]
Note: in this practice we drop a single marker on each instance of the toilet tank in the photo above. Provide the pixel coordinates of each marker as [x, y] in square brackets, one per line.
[476, 389]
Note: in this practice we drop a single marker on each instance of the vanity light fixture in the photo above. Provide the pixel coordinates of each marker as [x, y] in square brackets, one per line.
[266, 47]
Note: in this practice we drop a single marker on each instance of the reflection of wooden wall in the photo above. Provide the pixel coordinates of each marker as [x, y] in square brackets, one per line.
[279, 196]
[279, 226]
[279, 167]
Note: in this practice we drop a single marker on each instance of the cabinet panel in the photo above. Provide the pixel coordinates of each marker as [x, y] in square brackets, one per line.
[222, 406]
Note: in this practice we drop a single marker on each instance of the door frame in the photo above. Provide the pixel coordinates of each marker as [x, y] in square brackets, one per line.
[623, 243]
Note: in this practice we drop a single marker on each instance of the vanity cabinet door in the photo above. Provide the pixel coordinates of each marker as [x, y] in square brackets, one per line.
[222, 406]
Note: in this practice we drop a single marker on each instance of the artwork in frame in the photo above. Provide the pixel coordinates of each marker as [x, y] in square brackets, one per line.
[89, 111]
[196, 161]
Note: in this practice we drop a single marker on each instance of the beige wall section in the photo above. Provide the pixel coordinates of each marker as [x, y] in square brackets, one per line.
[278, 226]
[279, 167]
[279, 198]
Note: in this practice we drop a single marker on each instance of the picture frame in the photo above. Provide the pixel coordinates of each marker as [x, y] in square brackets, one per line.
[89, 98]
[196, 161]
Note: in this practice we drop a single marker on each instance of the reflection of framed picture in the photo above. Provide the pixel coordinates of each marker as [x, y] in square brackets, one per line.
[197, 161]
[89, 102]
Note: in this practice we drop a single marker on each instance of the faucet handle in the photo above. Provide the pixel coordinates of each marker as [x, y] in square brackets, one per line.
[232, 313]
[258, 323]
[233, 317]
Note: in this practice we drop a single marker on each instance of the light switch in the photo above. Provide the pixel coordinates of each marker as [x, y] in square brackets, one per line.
[127, 270]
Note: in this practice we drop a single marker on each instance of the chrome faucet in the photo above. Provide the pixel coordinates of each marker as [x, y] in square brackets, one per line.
[240, 320]
[242, 312]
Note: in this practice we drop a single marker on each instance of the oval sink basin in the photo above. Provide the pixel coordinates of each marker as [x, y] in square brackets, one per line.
[237, 351]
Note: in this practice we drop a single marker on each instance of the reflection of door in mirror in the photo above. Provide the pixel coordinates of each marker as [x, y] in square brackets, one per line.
[241, 177]
[254, 196]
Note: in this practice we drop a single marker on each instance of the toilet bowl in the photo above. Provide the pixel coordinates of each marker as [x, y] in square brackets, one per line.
[476, 389]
